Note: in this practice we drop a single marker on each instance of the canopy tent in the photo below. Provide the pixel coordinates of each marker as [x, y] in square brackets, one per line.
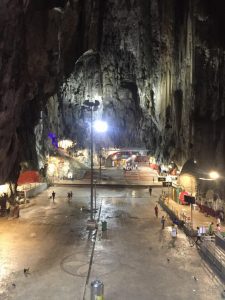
[28, 177]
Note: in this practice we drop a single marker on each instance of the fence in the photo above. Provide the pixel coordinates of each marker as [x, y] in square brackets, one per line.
[32, 189]
[214, 255]
[175, 217]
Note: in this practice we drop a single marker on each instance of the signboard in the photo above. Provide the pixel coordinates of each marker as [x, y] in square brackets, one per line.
[167, 183]
[189, 199]
[161, 178]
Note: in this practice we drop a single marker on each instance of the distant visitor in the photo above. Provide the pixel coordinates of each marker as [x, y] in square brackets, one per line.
[53, 196]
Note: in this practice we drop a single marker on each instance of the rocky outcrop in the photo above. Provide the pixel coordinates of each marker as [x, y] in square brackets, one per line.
[157, 68]
[33, 63]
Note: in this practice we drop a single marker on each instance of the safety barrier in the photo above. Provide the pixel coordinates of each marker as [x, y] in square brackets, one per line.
[208, 249]
[213, 255]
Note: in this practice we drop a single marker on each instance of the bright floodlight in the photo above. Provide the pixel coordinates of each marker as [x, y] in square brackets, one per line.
[100, 126]
[214, 175]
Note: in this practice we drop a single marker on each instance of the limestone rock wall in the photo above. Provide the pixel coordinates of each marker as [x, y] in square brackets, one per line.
[37, 47]
[157, 68]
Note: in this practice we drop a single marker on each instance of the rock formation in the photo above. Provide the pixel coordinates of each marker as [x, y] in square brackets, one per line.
[156, 66]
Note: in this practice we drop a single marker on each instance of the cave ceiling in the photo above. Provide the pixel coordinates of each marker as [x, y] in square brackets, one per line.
[156, 66]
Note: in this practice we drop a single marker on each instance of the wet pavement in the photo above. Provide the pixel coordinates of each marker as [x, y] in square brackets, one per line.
[134, 258]
[141, 261]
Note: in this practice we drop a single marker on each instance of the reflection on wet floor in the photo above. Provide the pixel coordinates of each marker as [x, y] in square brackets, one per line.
[52, 240]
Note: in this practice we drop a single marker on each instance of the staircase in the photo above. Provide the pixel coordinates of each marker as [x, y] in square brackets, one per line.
[140, 175]
[132, 175]
[146, 176]
[87, 175]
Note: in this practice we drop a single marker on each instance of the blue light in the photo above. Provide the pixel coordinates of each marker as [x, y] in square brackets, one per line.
[54, 139]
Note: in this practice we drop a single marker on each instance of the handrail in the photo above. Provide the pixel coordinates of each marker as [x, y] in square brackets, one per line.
[219, 254]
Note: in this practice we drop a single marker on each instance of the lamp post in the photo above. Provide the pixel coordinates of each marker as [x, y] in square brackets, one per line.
[100, 126]
[100, 166]
[91, 106]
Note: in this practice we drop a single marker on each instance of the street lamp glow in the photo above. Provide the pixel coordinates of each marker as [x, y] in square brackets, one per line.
[100, 126]
[214, 175]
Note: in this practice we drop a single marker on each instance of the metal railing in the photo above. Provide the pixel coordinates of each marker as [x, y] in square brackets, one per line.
[212, 253]
[28, 186]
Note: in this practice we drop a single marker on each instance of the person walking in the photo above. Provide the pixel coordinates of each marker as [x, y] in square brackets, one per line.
[199, 234]
[71, 195]
[163, 220]
[173, 234]
[53, 196]
[150, 191]
[156, 211]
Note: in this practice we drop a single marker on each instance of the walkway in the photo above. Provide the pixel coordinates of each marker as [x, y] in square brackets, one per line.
[134, 258]
[137, 260]
[198, 218]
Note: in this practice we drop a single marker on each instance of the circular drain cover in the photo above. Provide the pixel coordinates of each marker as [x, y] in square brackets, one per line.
[78, 265]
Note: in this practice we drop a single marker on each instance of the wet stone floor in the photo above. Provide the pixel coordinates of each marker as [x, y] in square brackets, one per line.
[49, 254]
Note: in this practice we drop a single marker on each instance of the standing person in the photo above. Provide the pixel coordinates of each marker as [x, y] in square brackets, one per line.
[68, 196]
[71, 195]
[8, 207]
[218, 228]
[199, 234]
[218, 221]
[210, 231]
[150, 191]
[156, 211]
[173, 234]
[222, 214]
[53, 196]
[3, 202]
[163, 220]
[16, 212]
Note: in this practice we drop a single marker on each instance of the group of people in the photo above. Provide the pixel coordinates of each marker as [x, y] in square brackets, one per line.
[9, 207]
[199, 230]
[163, 219]
[210, 231]
[69, 196]
[218, 227]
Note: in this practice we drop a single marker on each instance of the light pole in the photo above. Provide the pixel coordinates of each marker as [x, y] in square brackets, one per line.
[100, 156]
[91, 106]
[100, 166]
[100, 126]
